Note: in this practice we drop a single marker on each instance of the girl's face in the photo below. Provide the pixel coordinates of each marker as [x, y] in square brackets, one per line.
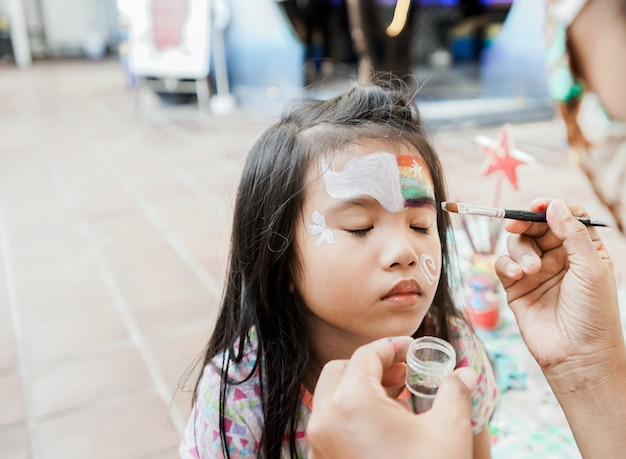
[368, 246]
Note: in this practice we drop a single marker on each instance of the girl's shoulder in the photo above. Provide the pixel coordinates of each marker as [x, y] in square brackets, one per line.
[240, 365]
[239, 396]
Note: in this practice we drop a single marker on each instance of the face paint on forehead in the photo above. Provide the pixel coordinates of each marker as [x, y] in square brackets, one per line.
[415, 182]
[374, 175]
[395, 182]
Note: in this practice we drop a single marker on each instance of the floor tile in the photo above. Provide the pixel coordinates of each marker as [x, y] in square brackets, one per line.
[67, 385]
[11, 397]
[8, 356]
[49, 299]
[166, 315]
[14, 442]
[66, 335]
[122, 429]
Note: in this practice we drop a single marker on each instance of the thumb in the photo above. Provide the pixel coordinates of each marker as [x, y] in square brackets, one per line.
[455, 393]
[468, 376]
[574, 235]
[453, 407]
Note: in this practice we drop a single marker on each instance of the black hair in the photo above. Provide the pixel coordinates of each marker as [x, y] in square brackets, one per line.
[263, 258]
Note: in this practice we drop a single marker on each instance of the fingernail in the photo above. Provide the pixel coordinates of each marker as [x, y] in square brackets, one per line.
[560, 209]
[400, 342]
[528, 260]
[512, 269]
[541, 203]
[468, 376]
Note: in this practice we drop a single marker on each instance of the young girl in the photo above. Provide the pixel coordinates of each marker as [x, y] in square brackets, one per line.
[338, 239]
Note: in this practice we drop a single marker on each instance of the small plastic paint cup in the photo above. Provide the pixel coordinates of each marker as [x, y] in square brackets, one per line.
[429, 360]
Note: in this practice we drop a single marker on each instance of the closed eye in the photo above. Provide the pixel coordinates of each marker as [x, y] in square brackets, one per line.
[420, 230]
[360, 232]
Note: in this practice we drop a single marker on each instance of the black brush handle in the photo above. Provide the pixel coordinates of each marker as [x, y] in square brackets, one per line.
[540, 217]
[525, 215]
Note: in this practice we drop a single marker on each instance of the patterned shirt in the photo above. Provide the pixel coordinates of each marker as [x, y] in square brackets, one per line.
[244, 413]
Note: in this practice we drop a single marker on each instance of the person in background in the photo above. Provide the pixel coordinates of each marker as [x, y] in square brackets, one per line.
[587, 71]
[561, 287]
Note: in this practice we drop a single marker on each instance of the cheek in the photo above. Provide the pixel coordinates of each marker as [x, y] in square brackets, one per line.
[328, 273]
[430, 267]
[315, 254]
[430, 262]
[320, 229]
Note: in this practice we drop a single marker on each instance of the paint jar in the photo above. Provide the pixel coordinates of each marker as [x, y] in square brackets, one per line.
[429, 360]
[485, 294]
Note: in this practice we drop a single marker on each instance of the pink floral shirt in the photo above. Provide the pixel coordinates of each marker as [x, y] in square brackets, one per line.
[244, 413]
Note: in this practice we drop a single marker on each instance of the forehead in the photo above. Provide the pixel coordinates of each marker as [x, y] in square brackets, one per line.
[392, 173]
[364, 147]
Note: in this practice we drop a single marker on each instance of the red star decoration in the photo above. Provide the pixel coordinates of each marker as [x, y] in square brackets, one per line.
[500, 157]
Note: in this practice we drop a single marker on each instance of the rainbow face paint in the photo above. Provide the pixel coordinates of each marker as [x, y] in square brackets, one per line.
[415, 182]
[395, 182]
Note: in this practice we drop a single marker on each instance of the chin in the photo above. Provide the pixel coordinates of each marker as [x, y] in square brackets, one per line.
[405, 330]
[394, 331]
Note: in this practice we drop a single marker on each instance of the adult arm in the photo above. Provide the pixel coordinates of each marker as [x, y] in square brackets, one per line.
[561, 287]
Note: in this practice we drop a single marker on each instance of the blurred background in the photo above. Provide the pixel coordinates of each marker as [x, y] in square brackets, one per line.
[123, 129]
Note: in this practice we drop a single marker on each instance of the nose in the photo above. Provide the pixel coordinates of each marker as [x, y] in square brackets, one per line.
[399, 253]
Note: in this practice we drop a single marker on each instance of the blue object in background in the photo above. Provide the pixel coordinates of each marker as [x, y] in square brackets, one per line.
[463, 48]
[264, 56]
[515, 62]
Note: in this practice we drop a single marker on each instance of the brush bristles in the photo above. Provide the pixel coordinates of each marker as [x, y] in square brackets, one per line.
[450, 206]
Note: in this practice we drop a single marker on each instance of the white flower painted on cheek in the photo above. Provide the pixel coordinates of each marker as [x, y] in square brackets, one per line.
[319, 227]
[429, 268]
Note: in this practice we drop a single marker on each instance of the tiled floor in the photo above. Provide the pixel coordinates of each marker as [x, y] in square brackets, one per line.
[113, 238]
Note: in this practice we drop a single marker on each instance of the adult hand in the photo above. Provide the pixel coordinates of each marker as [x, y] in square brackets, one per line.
[561, 287]
[353, 417]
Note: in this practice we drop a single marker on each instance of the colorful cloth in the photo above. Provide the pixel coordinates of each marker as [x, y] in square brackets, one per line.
[244, 412]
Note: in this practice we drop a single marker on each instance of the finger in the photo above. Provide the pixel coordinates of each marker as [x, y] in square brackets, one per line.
[517, 226]
[454, 397]
[457, 387]
[544, 239]
[529, 243]
[328, 381]
[371, 360]
[526, 252]
[540, 204]
[533, 229]
[468, 376]
[395, 375]
[508, 270]
[582, 243]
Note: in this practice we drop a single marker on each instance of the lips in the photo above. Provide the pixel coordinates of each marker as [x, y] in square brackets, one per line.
[404, 293]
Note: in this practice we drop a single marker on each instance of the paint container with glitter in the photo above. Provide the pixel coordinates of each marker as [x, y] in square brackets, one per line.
[429, 360]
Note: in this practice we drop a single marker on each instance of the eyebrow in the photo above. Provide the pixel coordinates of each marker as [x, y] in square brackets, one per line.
[358, 201]
[368, 202]
[424, 201]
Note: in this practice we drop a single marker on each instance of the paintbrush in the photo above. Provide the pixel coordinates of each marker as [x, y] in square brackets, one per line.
[494, 212]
